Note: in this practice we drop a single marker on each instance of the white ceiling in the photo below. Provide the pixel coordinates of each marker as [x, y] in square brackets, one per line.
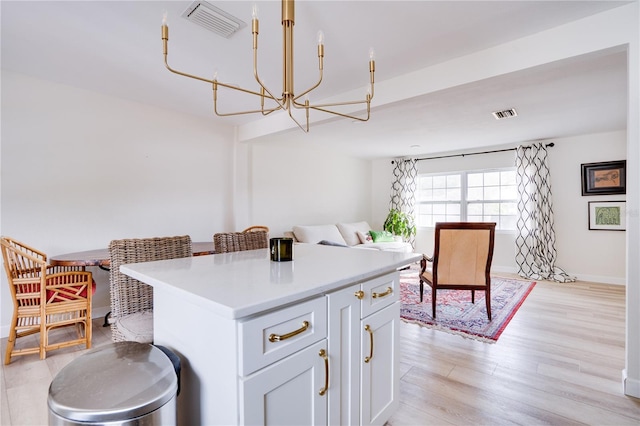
[115, 47]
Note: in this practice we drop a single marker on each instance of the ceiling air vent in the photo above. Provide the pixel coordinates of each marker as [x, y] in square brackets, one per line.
[507, 113]
[212, 18]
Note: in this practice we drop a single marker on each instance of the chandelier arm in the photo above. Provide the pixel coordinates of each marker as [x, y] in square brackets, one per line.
[279, 101]
[220, 114]
[308, 90]
[240, 89]
[320, 107]
[229, 114]
[306, 130]
[320, 71]
[166, 64]
[353, 117]
[228, 86]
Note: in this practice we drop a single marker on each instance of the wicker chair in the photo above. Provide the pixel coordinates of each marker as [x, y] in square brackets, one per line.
[226, 242]
[45, 298]
[461, 260]
[256, 228]
[131, 315]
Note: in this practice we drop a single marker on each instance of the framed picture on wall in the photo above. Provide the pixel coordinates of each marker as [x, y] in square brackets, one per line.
[604, 178]
[607, 215]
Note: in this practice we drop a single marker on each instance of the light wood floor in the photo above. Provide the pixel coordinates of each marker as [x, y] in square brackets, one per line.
[558, 362]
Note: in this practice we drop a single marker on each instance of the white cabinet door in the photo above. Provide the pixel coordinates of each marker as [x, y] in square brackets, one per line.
[288, 391]
[380, 365]
[363, 392]
[344, 356]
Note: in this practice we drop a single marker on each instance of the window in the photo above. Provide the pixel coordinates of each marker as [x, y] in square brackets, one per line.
[477, 196]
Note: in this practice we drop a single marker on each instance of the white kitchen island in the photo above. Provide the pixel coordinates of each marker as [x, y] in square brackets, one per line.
[311, 341]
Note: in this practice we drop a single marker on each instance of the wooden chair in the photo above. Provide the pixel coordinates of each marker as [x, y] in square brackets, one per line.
[461, 260]
[45, 298]
[131, 315]
[226, 242]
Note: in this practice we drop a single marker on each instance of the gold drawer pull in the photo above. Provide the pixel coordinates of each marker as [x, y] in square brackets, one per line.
[277, 338]
[359, 294]
[324, 356]
[368, 358]
[386, 293]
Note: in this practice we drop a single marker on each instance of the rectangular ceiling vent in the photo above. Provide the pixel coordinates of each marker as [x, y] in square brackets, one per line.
[212, 18]
[507, 113]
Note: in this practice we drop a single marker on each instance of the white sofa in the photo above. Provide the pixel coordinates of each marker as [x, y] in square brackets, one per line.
[344, 234]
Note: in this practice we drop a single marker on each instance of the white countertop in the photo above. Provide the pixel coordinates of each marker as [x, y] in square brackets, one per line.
[241, 284]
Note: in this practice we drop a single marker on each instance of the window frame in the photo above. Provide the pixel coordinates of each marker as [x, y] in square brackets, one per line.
[464, 201]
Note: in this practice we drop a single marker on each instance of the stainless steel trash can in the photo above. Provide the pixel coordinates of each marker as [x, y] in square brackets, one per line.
[124, 383]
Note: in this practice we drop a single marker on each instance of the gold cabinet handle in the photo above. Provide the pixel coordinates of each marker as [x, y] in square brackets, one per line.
[324, 356]
[359, 294]
[386, 293]
[368, 358]
[280, 338]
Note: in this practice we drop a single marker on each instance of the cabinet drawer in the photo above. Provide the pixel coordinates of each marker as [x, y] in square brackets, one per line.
[271, 337]
[380, 292]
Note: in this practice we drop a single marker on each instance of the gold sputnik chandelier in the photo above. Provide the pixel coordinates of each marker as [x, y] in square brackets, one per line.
[289, 100]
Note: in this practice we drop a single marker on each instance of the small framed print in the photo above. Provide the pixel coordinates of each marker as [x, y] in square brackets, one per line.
[607, 215]
[604, 178]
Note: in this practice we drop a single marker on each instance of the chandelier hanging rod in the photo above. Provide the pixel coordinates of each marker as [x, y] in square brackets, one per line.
[288, 101]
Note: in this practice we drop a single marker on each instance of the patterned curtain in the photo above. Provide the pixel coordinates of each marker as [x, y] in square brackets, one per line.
[404, 186]
[535, 242]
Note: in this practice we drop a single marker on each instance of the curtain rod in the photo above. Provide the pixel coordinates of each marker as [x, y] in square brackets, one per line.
[549, 145]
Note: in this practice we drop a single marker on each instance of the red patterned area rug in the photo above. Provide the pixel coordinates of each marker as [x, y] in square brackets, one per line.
[455, 312]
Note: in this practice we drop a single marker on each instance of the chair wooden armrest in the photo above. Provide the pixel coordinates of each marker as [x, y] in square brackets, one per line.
[423, 262]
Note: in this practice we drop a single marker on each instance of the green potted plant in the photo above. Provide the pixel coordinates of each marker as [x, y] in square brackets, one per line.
[400, 224]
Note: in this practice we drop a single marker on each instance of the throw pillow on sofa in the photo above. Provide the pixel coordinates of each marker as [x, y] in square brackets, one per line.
[365, 237]
[382, 236]
[349, 231]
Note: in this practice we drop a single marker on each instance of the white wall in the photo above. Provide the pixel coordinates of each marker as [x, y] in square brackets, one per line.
[579, 250]
[80, 169]
[294, 181]
[598, 256]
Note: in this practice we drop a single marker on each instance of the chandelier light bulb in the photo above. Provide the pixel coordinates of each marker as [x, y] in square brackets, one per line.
[320, 37]
[372, 54]
[254, 11]
[164, 18]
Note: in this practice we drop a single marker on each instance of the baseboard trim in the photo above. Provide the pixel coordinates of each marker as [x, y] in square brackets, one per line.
[582, 277]
[630, 386]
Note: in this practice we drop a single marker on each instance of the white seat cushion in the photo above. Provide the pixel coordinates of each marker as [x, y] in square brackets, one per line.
[137, 327]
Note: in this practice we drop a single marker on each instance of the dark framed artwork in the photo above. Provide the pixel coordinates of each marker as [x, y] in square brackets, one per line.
[604, 178]
[607, 215]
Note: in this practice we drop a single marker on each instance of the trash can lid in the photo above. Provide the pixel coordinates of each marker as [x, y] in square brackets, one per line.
[119, 381]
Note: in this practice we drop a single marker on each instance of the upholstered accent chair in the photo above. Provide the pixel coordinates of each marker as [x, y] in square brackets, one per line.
[461, 260]
[45, 298]
[226, 242]
[131, 316]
